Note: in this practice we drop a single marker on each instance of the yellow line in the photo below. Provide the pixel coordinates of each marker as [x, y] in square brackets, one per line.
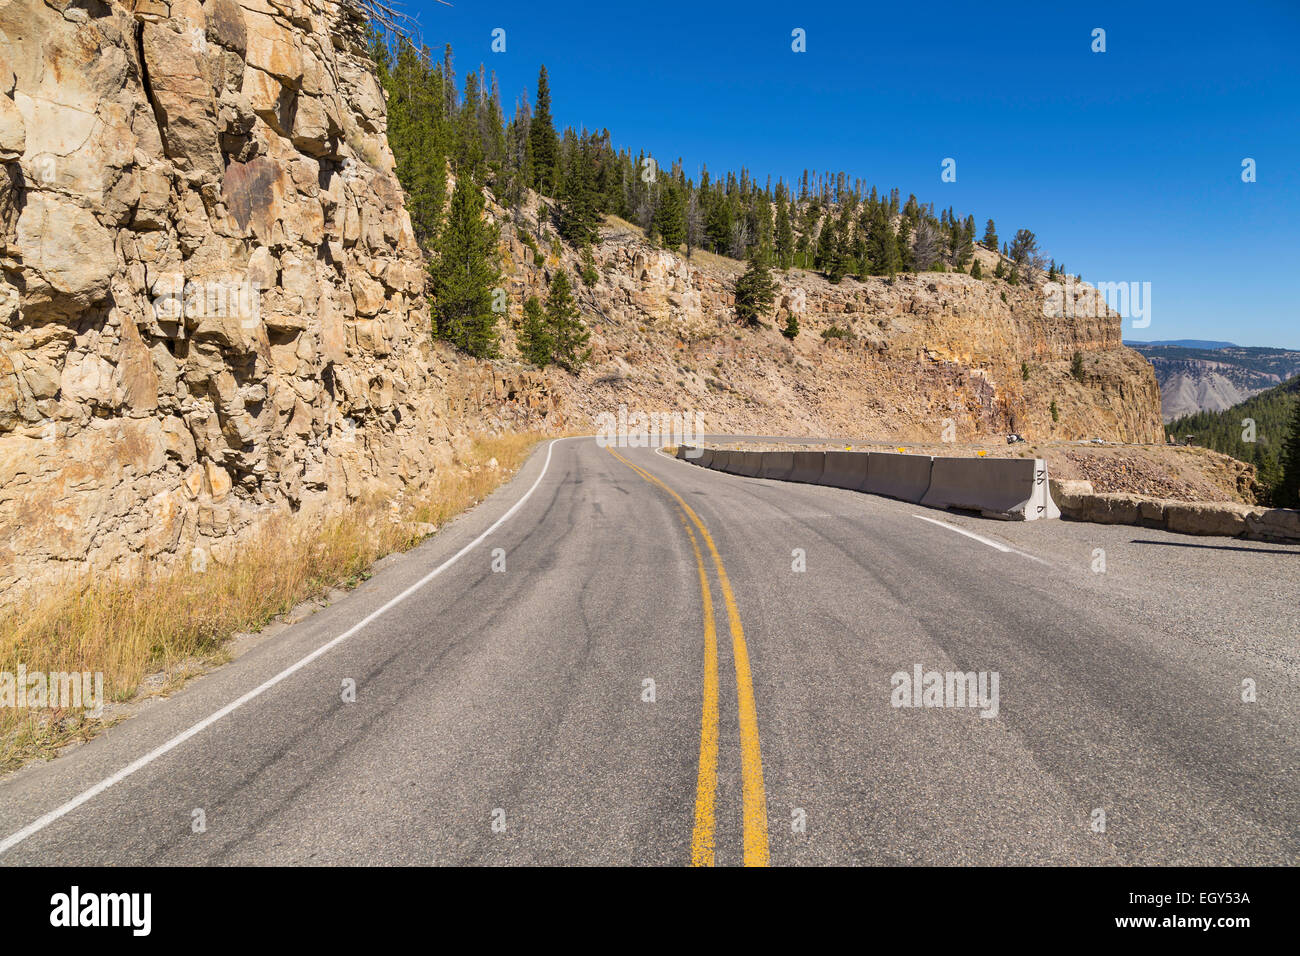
[706, 784]
[754, 796]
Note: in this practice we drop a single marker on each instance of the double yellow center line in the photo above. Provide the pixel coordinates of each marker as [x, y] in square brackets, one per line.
[753, 793]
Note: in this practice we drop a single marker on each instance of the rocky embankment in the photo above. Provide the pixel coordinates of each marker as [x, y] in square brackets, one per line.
[211, 303]
[919, 354]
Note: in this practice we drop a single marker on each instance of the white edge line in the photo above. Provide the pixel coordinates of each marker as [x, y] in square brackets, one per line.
[86, 796]
[980, 538]
[970, 534]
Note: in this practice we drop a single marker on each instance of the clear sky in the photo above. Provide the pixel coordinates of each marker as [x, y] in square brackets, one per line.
[1127, 164]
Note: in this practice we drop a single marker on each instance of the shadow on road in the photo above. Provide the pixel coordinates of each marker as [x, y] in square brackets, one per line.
[1215, 547]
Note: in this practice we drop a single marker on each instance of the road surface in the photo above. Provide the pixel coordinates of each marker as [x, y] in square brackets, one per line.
[646, 677]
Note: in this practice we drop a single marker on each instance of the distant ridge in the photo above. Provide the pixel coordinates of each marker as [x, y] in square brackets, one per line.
[1213, 376]
[1189, 343]
[1271, 412]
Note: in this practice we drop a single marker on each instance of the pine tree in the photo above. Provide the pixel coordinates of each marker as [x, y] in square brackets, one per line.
[718, 223]
[590, 274]
[469, 142]
[464, 274]
[975, 270]
[1076, 366]
[904, 247]
[755, 291]
[568, 333]
[784, 232]
[543, 142]
[416, 131]
[791, 326]
[535, 340]
[990, 240]
[827, 240]
[882, 242]
[1287, 491]
[1024, 252]
[579, 215]
[670, 217]
[965, 242]
[694, 222]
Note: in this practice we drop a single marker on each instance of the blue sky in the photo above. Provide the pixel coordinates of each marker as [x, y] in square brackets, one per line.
[1127, 164]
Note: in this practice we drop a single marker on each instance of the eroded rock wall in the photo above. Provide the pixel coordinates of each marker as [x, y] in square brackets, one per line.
[211, 302]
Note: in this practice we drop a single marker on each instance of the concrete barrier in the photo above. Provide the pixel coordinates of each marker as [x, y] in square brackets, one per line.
[751, 462]
[1010, 488]
[808, 467]
[682, 450]
[776, 464]
[734, 462]
[845, 469]
[1007, 488]
[905, 477]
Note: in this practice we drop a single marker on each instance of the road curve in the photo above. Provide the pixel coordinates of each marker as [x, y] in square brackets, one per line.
[647, 662]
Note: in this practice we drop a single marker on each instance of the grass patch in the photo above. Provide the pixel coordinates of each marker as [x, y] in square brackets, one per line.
[174, 623]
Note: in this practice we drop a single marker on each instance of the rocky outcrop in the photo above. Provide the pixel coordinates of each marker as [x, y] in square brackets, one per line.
[211, 303]
[913, 355]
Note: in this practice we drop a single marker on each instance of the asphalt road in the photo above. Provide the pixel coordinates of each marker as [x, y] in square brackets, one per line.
[504, 716]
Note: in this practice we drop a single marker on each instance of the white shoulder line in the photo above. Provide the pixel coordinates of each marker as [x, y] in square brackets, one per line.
[980, 538]
[37, 825]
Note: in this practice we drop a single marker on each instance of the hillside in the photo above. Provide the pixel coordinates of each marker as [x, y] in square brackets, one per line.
[1208, 378]
[908, 325]
[1272, 412]
[919, 349]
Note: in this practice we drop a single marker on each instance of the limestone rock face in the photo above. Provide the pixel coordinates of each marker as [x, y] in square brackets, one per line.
[212, 306]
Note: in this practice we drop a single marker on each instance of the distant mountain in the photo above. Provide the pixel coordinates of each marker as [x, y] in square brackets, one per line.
[1188, 343]
[1270, 410]
[1213, 376]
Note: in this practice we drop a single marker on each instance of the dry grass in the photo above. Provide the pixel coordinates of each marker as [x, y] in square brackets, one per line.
[177, 621]
[718, 263]
[615, 226]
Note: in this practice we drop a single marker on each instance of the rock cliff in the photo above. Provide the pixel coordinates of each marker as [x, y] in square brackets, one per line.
[211, 303]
